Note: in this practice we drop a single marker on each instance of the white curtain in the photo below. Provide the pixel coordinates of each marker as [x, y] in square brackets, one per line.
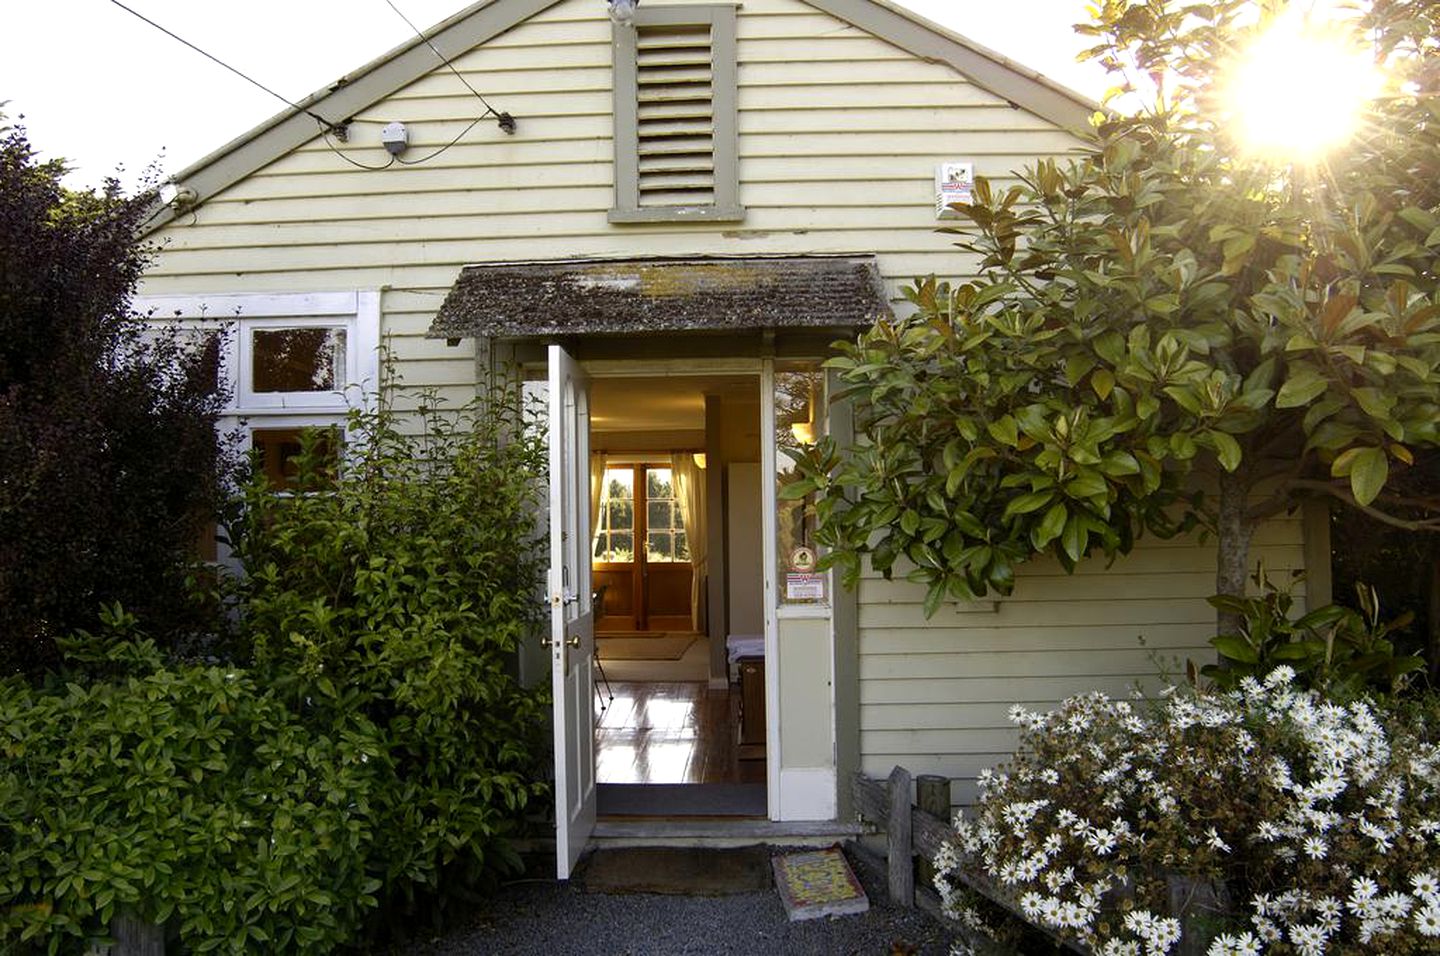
[690, 492]
[597, 494]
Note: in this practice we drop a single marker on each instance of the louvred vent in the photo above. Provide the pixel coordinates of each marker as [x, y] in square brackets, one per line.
[676, 126]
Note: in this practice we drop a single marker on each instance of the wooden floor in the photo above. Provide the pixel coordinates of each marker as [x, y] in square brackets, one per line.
[671, 732]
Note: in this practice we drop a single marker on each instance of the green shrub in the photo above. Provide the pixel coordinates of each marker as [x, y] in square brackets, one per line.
[370, 744]
[1262, 819]
[110, 462]
[1333, 649]
[400, 592]
[188, 796]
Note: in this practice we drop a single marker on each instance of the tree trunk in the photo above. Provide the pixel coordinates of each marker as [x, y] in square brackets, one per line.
[1233, 530]
[1204, 909]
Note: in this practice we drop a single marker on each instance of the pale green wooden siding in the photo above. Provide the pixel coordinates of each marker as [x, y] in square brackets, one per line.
[934, 693]
[826, 165]
[839, 135]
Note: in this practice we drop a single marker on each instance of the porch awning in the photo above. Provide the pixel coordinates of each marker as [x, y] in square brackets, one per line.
[635, 296]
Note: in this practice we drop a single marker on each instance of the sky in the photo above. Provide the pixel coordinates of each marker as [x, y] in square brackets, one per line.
[108, 93]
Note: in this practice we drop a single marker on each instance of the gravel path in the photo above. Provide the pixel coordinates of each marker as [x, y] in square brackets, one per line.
[555, 919]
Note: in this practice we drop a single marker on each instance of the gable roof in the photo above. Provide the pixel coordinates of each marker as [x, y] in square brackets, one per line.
[356, 91]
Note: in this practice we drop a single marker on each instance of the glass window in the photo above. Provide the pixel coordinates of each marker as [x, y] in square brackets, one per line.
[800, 404]
[297, 360]
[663, 526]
[278, 453]
[664, 522]
[615, 534]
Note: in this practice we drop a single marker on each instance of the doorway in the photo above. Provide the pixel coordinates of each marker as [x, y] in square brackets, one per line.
[669, 719]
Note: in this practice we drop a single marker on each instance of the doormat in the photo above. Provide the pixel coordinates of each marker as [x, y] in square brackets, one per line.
[819, 883]
[677, 871]
[680, 799]
[667, 648]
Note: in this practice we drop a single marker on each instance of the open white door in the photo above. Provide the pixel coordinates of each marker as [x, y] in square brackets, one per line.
[572, 621]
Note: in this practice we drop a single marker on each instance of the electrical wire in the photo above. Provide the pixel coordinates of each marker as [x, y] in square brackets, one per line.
[489, 110]
[426, 158]
[355, 162]
[324, 123]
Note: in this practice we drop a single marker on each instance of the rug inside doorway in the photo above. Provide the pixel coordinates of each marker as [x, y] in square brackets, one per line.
[677, 871]
[666, 647]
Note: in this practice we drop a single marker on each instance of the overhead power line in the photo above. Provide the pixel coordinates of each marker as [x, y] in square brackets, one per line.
[506, 121]
[328, 126]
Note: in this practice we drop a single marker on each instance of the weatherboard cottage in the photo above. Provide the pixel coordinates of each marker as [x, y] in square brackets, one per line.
[663, 223]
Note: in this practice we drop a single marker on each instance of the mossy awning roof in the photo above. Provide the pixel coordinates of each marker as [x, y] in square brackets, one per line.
[639, 296]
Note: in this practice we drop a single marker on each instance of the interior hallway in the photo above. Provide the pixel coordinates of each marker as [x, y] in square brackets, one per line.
[671, 732]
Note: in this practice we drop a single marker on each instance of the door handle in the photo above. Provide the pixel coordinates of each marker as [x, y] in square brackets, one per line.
[573, 641]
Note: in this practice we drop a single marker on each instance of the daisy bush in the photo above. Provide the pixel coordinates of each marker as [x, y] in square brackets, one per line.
[1260, 820]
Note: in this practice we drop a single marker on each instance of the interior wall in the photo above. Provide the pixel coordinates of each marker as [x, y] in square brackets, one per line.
[740, 429]
[745, 611]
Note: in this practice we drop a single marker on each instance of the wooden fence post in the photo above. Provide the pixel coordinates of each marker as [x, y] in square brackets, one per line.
[932, 794]
[133, 937]
[899, 837]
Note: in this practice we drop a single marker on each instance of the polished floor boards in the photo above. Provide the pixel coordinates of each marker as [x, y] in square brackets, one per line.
[671, 732]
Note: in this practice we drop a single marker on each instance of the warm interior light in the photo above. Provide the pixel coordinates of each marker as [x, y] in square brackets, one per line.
[1298, 90]
[803, 432]
[700, 460]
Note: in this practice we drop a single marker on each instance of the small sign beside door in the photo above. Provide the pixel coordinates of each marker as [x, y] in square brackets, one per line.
[801, 581]
[801, 586]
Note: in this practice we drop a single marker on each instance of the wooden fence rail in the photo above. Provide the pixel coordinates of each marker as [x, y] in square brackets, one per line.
[919, 830]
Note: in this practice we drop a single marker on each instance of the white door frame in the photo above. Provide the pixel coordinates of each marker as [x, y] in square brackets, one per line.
[769, 534]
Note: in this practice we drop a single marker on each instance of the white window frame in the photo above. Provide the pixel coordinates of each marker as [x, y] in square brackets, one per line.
[357, 312]
[247, 397]
[239, 314]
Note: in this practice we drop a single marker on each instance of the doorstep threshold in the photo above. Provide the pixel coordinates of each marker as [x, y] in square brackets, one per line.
[734, 831]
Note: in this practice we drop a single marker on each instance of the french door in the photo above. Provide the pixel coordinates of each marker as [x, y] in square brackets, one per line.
[641, 554]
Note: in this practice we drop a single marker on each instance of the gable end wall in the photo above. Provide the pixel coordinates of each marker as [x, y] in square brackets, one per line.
[839, 135]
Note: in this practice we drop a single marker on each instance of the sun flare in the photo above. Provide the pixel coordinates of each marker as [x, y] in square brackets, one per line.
[1300, 88]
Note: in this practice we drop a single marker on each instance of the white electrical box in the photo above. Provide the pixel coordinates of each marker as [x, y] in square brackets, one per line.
[954, 182]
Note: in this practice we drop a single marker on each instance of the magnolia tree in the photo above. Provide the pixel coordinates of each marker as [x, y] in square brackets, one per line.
[1173, 312]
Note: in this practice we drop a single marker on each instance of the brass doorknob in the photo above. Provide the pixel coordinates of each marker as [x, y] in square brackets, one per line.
[573, 640]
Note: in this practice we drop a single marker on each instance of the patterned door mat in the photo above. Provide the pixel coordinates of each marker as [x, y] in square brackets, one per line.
[819, 883]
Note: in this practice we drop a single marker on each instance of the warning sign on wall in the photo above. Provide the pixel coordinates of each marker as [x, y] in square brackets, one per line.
[954, 182]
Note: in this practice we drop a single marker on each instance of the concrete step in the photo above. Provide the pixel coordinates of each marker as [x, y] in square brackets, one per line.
[692, 832]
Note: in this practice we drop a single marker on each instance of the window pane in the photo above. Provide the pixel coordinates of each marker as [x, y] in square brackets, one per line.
[622, 547]
[279, 453]
[657, 483]
[621, 515]
[660, 546]
[658, 514]
[613, 538]
[619, 483]
[799, 421]
[297, 360]
[682, 547]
